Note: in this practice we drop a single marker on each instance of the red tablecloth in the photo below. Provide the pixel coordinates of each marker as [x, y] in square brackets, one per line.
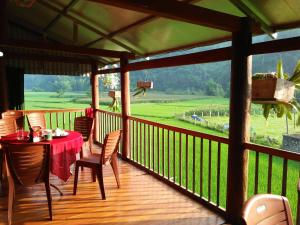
[63, 152]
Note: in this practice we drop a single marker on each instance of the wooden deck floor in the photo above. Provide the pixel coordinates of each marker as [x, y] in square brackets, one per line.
[141, 199]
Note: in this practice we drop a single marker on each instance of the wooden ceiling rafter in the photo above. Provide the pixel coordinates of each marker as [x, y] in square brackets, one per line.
[145, 20]
[65, 48]
[89, 27]
[179, 11]
[249, 12]
[60, 14]
[50, 58]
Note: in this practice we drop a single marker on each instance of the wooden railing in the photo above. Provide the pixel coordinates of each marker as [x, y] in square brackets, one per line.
[196, 163]
[107, 122]
[62, 118]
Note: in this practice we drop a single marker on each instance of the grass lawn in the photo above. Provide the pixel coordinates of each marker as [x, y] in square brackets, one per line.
[162, 109]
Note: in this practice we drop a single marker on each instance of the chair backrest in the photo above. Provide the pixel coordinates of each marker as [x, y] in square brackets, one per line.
[7, 126]
[28, 164]
[36, 119]
[84, 124]
[110, 146]
[16, 115]
[267, 209]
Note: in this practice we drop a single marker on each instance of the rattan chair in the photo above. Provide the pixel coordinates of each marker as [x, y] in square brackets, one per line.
[7, 126]
[27, 164]
[36, 119]
[16, 115]
[84, 125]
[96, 161]
[267, 209]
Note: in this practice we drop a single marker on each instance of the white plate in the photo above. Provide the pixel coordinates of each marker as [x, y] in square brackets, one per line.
[63, 135]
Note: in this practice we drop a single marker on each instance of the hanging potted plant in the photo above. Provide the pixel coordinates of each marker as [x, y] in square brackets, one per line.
[111, 81]
[143, 85]
[275, 91]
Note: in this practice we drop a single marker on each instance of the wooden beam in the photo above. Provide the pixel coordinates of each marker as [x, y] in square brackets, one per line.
[250, 13]
[49, 58]
[239, 123]
[64, 48]
[281, 45]
[125, 99]
[179, 11]
[60, 14]
[214, 55]
[89, 27]
[108, 71]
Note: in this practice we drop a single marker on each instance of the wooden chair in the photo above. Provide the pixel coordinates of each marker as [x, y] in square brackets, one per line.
[96, 161]
[7, 126]
[36, 119]
[27, 165]
[16, 115]
[84, 125]
[267, 209]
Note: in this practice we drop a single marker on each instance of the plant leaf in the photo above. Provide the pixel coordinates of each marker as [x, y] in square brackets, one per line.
[280, 69]
[266, 110]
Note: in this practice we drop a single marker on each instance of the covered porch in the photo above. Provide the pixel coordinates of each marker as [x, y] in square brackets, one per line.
[212, 171]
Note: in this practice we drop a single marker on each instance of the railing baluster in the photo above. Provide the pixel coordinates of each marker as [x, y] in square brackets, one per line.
[57, 123]
[194, 163]
[201, 167]
[174, 157]
[149, 147]
[158, 152]
[64, 125]
[70, 119]
[284, 177]
[168, 154]
[140, 141]
[145, 152]
[51, 121]
[153, 150]
[270, 174]
[218, 173]
[186, 161]
[256, 172]
[180, 159]
[209, 171]
[137, 141]
[163, 152]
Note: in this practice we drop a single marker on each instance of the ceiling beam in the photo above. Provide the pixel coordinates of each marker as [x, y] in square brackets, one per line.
[250, 13]
[89, 27]
[179, 11]
[60, 14]
[64, 48]
[281, 45]
[49, 58]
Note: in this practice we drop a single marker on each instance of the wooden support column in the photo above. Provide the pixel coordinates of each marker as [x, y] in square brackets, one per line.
[239, 122]
[125, 98]
[95, 99]
[3, 37]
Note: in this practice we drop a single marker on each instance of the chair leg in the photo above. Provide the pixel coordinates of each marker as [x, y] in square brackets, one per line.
[11, 197]
[75, 179]
[49, 198]
[81, 156]
[93, 173]
[99, 173]
[114, 165]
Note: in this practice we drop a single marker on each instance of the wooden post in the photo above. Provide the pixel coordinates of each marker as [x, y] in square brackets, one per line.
[125, 98]
[3, 37]
[239, 122]
[95, 99]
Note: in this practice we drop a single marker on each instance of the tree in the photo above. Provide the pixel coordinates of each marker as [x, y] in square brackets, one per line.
[61, 84]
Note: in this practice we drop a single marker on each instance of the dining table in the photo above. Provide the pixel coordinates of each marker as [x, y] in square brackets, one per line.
[63, 151]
